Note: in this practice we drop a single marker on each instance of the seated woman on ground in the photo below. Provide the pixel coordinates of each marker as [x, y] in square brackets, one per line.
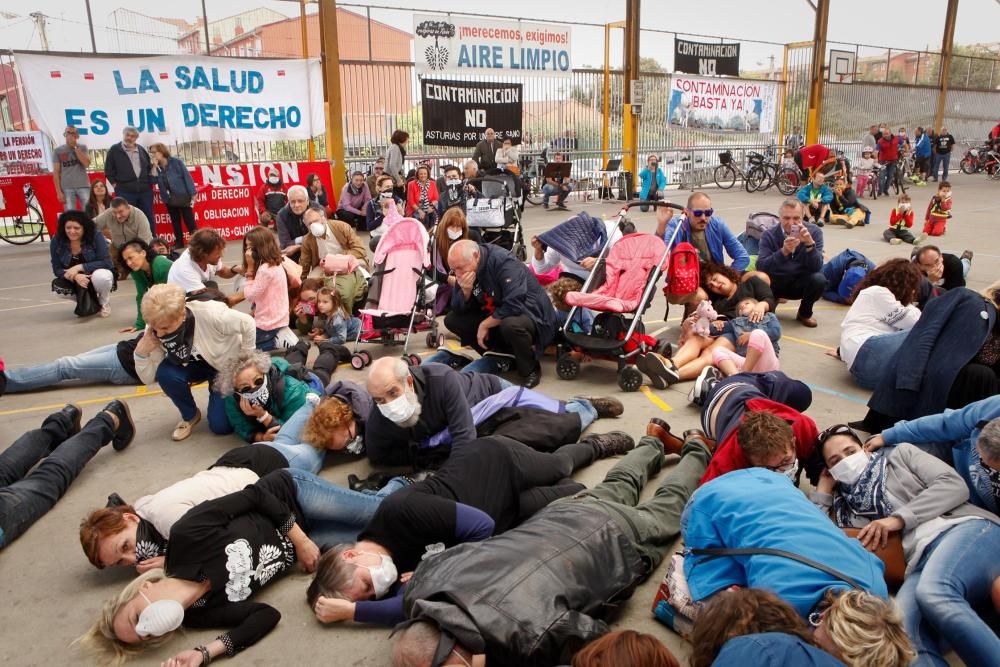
[148, 268]
[453, 227]
[879, 319]
[81, 261]
[379, 207]
[99, 200]
[756, 343]
[949, 544]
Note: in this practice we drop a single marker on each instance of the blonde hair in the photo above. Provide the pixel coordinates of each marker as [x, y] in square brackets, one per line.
[993, 293]
[868, 630]
[162, 302]
[101, 639]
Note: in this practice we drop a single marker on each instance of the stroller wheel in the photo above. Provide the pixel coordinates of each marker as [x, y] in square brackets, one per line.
[520, 253]
[629, 378]
[567, 368]
[366, 357]
[433, 341]
[357, 362]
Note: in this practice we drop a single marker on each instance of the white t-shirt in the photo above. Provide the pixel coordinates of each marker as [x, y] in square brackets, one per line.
[552, 259]
[165, 507]
[186, 273]
[876, 311]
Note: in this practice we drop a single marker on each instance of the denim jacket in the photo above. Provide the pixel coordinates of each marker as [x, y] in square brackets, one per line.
[176, 179]
[95, 255]
[737, 326]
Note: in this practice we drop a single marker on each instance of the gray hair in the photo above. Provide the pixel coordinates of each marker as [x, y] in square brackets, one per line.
[472, 162]
[225, 379]
[400, 370]
[989, 440]
[129, 128]
[299, 190]
[791, 203]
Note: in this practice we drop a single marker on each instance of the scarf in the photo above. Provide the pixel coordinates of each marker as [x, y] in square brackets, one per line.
[993, 476]
[424, 187]
[866, 499]
[148, 542]
[179, 345]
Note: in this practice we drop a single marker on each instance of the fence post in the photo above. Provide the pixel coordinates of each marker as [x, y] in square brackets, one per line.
[311, 145]
[331, 87]
[784, 97]
[816, 86]
[204, 21]
[947, 46]
[90, 25]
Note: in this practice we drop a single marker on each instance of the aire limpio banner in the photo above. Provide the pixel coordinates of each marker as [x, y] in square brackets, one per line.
[457, 113]
[722, 105]
[174, 99]
[470, 45]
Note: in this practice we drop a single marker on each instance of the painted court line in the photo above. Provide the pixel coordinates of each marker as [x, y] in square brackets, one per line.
[138, 393]
[655, 400]
[803, 341]
[838, 394]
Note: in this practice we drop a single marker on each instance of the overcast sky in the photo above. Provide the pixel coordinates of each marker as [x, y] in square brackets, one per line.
[851, 21]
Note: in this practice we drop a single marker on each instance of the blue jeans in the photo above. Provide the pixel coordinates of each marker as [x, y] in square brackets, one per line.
[548, 190]
[76, 198]
[955, 573]
[870, 362]
[143, 201]
[265, 339]
[584, 408]
[288, 441]
[176, 381]
[99, 365]
[941, 159]
[336, 515]
[885, 177]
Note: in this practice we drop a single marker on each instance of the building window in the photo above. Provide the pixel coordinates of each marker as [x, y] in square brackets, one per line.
[5, 119]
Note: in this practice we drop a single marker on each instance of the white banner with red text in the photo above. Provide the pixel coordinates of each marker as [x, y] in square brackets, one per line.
[723, 105]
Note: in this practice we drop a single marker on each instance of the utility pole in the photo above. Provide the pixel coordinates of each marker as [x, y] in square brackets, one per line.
[331, 87]
[814, 117]
[39, 19]
[630, 120]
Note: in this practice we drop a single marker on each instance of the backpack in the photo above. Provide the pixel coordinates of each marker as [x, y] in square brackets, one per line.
[758, 223]
[684, 272]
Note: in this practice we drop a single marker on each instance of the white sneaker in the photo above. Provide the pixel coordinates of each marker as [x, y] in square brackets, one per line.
[895, 241]
[106, 310]
[920, 239]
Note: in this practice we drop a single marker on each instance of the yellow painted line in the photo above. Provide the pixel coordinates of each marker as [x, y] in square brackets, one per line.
[655, 400]
[803, 341]
[138, 393]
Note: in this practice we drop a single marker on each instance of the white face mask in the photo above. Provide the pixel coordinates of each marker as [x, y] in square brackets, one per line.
[159, 617]
[791, 471]
[273, 180]
[398, 410]
[318, 229]
[904, 207]
[454, 234]
[849, 470]
[385, 194]
[383, 576]
[454, 181]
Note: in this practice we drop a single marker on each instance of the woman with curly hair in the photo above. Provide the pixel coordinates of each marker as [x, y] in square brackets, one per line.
[883, 312]
[625, 647]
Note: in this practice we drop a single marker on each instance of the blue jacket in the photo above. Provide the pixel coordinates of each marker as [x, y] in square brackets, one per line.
[581, 236]
[772, 649]
[646, 176]
[923, 147]
[917, 379]
[801, 262]
[95, 255]
[959, 429]
[176, 179]
[719, 238]
[839, 286]
[514, 291]
[754, 508]
[806, 191]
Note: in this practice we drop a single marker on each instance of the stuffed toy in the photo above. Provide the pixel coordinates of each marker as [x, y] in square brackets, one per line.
[706, 315]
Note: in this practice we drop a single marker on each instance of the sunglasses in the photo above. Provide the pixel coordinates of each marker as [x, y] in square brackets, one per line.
[248, 389]
[699, 213]
[838, 429]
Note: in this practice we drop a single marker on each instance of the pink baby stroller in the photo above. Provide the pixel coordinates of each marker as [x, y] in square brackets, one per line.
[619, 290]
[398, 302]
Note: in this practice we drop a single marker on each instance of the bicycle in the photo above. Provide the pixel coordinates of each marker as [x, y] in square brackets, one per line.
[23, 229]
[763, 170]
[727, 172]
[532, 179]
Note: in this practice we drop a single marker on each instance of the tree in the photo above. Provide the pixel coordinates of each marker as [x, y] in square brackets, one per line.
[651, 66]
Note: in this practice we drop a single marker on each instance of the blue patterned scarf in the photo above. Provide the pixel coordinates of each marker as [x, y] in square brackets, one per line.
[867, 498]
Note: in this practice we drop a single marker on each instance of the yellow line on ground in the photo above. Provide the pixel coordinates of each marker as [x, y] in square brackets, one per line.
[139, 392]
[805, 342]
[655, 400]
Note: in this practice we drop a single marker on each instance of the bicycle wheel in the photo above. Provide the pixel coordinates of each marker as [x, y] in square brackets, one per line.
[899, 184]
[23, 229]
[725, 176]
[533, 192]
[787, 181]
[754, 178]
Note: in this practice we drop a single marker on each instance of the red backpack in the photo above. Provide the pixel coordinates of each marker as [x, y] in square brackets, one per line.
[684, 272]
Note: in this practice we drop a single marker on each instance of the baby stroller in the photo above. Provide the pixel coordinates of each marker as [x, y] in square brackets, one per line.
[399, 301]
[494, 212]
[619, 289]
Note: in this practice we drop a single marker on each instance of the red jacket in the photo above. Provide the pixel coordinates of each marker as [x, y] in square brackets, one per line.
[938, 209]
[261, 200]
[814, 155]
[729, 455]
[413, 195]
[898, 216]
[888, 148]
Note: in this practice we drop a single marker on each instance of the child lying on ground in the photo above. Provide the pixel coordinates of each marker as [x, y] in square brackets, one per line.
[756, 343]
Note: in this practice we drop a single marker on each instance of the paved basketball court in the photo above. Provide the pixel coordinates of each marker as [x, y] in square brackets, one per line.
[50, 592]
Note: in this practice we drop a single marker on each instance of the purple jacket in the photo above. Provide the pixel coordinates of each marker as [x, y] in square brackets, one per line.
[511, 397]
[354, 203]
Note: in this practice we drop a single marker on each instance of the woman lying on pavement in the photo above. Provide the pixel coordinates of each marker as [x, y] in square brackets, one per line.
[221, 553]
[108, 364]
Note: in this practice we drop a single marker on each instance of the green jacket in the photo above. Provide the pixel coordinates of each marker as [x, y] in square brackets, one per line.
[160, 268]
[288, 394]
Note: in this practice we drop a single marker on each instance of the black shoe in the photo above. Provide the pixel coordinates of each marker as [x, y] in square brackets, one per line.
[114, 500]
[125, 432]
[609, 444]
[73, 415]
[303, 347]
[340, 352]
[561, 207]
[707, 379]
[659, 369]
[532, 379]
[605, 405]
[374, 482]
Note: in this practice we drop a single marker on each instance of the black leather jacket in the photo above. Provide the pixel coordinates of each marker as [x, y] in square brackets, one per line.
[530, 595]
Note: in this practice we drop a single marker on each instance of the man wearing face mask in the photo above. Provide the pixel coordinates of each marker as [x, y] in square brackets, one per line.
[950, 545]
[453, 195]
[333, 237]
[289, 224]
[271, 197]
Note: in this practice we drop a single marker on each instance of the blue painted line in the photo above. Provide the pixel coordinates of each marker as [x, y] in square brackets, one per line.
[838, 394]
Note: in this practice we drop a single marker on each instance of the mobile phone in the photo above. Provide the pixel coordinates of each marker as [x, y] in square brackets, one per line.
[794, 230]
[308, 308]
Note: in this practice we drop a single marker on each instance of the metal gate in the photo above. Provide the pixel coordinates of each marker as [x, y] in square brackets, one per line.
[798, 76]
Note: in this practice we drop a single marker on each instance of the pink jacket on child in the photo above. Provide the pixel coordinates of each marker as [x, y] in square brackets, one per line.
[268, 292]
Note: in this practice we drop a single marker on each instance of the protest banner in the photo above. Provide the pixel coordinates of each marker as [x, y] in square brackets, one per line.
[722, 105]
[470, 45]
[24, 153]
[706, 59]
[457, 113]
[174, 99]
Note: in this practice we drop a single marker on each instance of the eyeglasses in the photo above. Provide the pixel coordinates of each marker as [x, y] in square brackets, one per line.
[257, 383]
[702, 213]
[784, 465]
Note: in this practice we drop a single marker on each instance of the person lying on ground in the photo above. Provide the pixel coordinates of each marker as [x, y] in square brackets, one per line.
[108, 364]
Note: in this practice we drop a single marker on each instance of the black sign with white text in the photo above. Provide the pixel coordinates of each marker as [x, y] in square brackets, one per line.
[706, 59]
[457, 113]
